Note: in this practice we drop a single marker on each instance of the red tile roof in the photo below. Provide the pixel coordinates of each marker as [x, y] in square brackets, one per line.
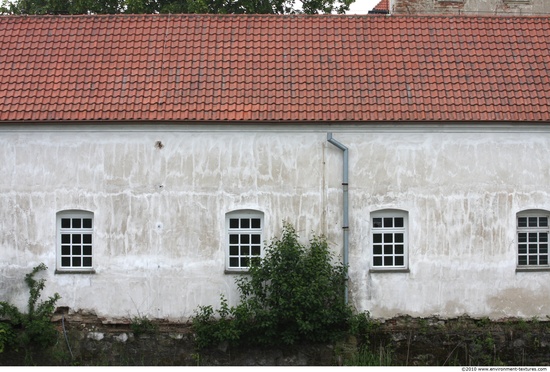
[382, 5]
[274, 68]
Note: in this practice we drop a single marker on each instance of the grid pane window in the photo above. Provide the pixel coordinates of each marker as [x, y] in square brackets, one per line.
[245, 240]
[75, 241]
[532, 237]
[389, 237]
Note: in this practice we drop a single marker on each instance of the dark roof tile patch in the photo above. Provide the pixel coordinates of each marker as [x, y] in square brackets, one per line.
[274, 68]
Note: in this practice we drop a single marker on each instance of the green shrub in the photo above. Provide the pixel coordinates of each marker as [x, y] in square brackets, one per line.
[294, 294]
[142, 325]
[36, 326]
[211, 329]
[7, 336]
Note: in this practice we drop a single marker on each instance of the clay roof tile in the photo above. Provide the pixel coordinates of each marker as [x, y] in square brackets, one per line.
[265, 67]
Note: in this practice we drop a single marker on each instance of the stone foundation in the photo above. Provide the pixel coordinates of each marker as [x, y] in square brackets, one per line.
[88, 340]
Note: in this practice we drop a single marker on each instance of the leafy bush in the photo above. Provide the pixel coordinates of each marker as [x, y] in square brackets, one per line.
[37, 329]
[142, 325]
[211, 330]
[294, 294]
[7, 336]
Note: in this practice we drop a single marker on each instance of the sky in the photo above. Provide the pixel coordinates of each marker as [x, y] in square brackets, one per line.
[362, 6]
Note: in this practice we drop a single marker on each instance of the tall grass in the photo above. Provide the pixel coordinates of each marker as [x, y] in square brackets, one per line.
[365, 356]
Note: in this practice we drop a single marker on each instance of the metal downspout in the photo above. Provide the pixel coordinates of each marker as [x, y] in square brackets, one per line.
[345, 226]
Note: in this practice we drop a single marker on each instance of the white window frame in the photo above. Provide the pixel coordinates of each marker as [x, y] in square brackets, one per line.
[243, 241]
[75, 244]
[389, 241]
[533, 235]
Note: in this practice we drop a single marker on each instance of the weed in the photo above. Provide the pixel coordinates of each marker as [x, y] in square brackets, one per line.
[141, 325]
[36, 327]
[7, 336]
[367, 357]
[197, 358]
[362, 324]
[423, 326]
[483, 322]
[482, 351]
[522, 325]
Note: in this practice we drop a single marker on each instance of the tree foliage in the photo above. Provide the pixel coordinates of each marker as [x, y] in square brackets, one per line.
[294, 294]
[174, 6]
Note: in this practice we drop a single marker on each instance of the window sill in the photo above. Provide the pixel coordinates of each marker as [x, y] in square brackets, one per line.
[74, 272]
[390, 270]
[521, 269]
[235, 271]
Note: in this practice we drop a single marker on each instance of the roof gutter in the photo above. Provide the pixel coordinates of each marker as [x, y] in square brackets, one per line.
[345, 226]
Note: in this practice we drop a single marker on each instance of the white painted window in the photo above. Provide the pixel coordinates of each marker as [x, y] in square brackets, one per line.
[533, 231]
[75, 240]
[389, 239]
[244, 238]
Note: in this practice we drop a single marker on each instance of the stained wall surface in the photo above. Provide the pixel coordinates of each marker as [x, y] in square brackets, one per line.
[159, 195]
[470, 7]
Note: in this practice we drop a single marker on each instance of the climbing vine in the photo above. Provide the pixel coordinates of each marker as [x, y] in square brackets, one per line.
[33, 328]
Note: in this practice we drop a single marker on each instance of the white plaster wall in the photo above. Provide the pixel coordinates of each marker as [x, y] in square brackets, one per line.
[159, 214]
[470, 7]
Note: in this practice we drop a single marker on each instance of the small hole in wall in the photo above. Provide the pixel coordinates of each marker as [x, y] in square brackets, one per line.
[159, 145]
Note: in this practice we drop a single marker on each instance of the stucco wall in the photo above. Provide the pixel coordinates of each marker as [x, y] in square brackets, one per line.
[159, 212]
[470, 7]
